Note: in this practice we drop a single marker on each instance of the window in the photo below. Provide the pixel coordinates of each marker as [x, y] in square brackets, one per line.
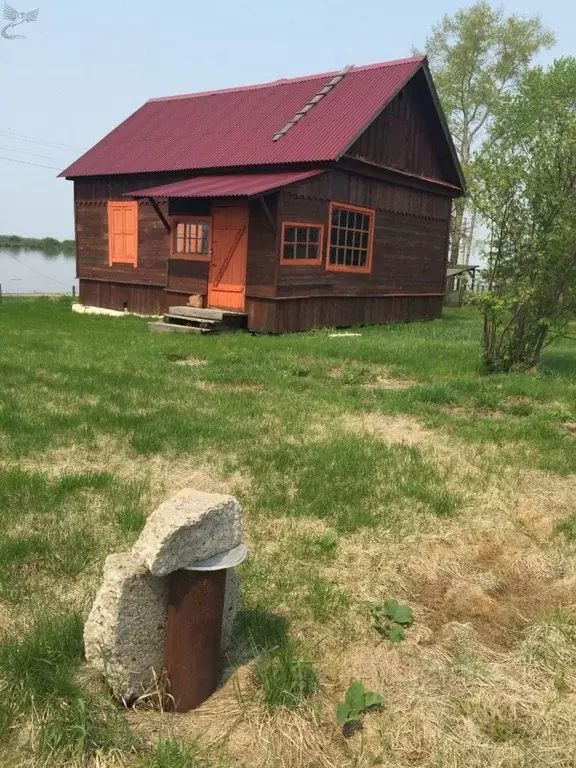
[123, 233]
[302, 243]
[191, 239]
[351, 238]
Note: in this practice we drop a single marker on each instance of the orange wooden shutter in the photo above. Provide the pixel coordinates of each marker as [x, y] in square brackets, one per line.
[123, 233]
[131, 233]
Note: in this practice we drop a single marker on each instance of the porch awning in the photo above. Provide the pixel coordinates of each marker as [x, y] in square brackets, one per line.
[460, 269]
[226, 185]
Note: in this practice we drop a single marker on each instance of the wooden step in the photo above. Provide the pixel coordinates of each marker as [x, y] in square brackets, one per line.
[208, 314]
[174, 328]
[196, 322]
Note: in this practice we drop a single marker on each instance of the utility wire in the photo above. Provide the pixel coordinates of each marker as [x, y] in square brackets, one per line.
[32, 154]
[26, 162]
[35, 270]
[35, 140]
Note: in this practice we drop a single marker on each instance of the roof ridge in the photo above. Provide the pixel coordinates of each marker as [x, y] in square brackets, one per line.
[284, 80]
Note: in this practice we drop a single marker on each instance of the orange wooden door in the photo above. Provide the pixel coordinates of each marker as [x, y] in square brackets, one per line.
[227, 277]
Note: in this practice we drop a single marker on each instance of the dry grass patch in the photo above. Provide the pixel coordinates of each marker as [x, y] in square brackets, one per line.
[386, 382]
[166, 474]
[391, 429]
[228, 386]
[378, 376]
[193, 362]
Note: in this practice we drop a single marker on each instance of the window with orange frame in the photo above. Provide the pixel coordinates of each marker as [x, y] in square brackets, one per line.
[191, 238]
[351, 239]
[302, 243]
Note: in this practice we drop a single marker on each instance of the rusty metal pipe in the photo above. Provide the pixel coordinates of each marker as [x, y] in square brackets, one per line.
[193, 636]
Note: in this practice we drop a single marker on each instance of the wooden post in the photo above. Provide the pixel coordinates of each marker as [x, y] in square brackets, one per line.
[193, 636]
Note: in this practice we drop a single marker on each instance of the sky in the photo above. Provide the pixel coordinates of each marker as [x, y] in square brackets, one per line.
[85, 66]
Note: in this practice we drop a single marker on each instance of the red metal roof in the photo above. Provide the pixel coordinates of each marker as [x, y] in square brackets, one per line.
[225, 185]
[234, 127]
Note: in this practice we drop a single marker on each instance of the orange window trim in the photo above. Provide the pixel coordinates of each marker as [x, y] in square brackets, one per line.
[123, 233]
[190, 220]
[302, 262]
[371, 212]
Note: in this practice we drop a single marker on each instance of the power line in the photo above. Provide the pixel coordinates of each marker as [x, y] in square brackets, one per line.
[26, 162]
[32, 154]
[35, 140]
[22, 264]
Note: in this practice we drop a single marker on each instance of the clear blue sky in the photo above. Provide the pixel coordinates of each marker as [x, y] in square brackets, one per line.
[86, 65]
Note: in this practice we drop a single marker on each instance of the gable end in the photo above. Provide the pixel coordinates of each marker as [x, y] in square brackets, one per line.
[410, 135]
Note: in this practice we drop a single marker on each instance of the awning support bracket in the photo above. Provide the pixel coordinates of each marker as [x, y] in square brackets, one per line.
[269, 216]
[159, 213]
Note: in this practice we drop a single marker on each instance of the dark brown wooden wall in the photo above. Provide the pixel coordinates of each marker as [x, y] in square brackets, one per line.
[91, 198]
[408, 136]
[410, 242]
[300, 314]
[262, 267]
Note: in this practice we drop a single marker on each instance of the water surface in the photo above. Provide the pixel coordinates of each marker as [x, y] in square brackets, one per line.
[28, 271]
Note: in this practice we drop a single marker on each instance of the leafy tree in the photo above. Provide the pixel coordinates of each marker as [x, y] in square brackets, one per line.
[477, 56]
[525, 190]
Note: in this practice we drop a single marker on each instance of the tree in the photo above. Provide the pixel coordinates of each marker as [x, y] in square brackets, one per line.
[525, 190]
[477, 56]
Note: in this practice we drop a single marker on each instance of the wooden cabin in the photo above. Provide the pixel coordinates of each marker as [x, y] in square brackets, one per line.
[317, 201]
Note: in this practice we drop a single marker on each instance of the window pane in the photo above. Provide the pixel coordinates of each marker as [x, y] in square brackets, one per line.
[302, 234]
[288, 251]
[290, 234]
[341, 237]
[301, 251]
[205, 234]
[312, 251]
[333, 236]
[313, 235]
[364, 242]
[350, 238]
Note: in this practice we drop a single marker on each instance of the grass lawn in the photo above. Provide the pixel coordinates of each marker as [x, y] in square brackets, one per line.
[372, 467]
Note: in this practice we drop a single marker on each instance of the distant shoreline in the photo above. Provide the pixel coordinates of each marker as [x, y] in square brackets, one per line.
[46, 244]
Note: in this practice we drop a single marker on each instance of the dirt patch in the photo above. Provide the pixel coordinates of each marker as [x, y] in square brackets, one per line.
[570, 427]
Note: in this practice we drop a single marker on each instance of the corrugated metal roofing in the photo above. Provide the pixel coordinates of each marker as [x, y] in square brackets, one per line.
[234, 127]
[225, 185]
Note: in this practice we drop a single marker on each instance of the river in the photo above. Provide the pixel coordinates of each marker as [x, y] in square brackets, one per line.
[28, 272]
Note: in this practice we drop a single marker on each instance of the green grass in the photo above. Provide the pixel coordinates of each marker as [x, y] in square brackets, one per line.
[97, 421]
[286, 676]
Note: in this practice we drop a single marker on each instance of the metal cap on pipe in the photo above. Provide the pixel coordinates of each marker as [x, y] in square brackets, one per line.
[229, 559]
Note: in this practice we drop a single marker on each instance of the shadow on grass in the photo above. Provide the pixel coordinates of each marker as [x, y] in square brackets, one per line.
[560, 362]
[256, 632]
